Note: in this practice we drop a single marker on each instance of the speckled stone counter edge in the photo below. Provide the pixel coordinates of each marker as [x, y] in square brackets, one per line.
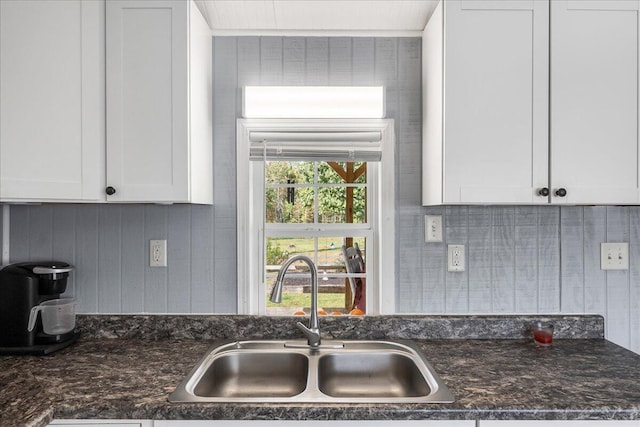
[209, 327]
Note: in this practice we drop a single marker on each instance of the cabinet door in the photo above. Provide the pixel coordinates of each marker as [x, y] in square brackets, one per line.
[495, 101]
[311, 423]
[594, 101]
[147, 100]
[571, 423]
[52, 104]
[102, 423]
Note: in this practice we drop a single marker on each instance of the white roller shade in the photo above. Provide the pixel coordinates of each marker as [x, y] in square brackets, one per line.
[322, 146]
[337, 137]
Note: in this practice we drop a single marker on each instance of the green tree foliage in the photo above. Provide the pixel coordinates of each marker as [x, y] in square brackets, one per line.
[278, 209]
[331, 200]
[275, 254]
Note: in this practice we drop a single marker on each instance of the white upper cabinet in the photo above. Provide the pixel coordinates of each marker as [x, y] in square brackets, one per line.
[594, 101]
[52, 104]
[156, 142]
[159, 114]
[503, 124]
[485, 118]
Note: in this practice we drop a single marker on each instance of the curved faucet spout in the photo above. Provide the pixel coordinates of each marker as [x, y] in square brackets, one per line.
[313, 331]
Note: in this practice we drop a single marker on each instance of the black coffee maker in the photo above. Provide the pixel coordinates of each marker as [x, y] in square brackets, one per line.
[22, 287]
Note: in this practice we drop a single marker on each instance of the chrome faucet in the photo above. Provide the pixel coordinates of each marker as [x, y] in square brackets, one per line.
[313, 331]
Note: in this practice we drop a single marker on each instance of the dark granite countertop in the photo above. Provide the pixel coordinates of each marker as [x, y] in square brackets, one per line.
[109, 378]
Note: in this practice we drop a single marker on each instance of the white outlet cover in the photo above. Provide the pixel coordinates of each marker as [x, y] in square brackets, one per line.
[157, 253]
[614, 256]
[455, 258]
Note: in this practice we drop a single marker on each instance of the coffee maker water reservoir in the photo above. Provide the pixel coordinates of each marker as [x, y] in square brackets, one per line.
[24, 288]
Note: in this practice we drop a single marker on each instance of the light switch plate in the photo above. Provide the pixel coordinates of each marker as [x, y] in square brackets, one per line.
[432, 228]
[614, 256]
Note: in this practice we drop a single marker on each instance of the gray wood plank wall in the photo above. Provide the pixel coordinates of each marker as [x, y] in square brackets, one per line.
[541, 259]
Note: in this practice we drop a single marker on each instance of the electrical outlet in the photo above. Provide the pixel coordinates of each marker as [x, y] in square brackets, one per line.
[157, 253]
[455, 257]
[433, 228]
[614, 256]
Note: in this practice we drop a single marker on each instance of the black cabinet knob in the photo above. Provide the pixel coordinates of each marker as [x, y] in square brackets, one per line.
[110, 191]
[561, 192]
[544, 192]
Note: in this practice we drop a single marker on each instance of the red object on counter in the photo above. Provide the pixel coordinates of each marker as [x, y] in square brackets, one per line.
[543, 337]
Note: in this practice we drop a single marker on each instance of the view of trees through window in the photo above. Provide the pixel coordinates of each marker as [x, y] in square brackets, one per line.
[311, 208]
[292, 191]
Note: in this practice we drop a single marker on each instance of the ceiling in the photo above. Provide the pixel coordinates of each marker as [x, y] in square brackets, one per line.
[343, 16]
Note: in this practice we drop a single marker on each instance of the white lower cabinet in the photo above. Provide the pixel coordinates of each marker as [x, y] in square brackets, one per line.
[103, 423]
[571, 423]
[256, 423]
[348, 423]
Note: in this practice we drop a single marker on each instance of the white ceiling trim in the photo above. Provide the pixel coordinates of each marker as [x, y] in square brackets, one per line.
[316, 33]
[301, 17]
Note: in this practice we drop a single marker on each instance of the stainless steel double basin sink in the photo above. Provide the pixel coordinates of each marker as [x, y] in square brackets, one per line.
[293, 372]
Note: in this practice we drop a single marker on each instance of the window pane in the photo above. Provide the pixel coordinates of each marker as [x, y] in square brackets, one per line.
[356, 266]
[327, 173]
[296, 298]
[330, 255]
[362, 178]
[289, 172]
[289, 205]
[279, 249]
[334, 295]
[332, 205]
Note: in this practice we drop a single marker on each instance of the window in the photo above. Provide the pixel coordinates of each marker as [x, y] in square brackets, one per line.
[309, 187]
[316, 208]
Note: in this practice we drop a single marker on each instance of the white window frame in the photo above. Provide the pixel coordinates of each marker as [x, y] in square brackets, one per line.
[250, 224]
[319, 230]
